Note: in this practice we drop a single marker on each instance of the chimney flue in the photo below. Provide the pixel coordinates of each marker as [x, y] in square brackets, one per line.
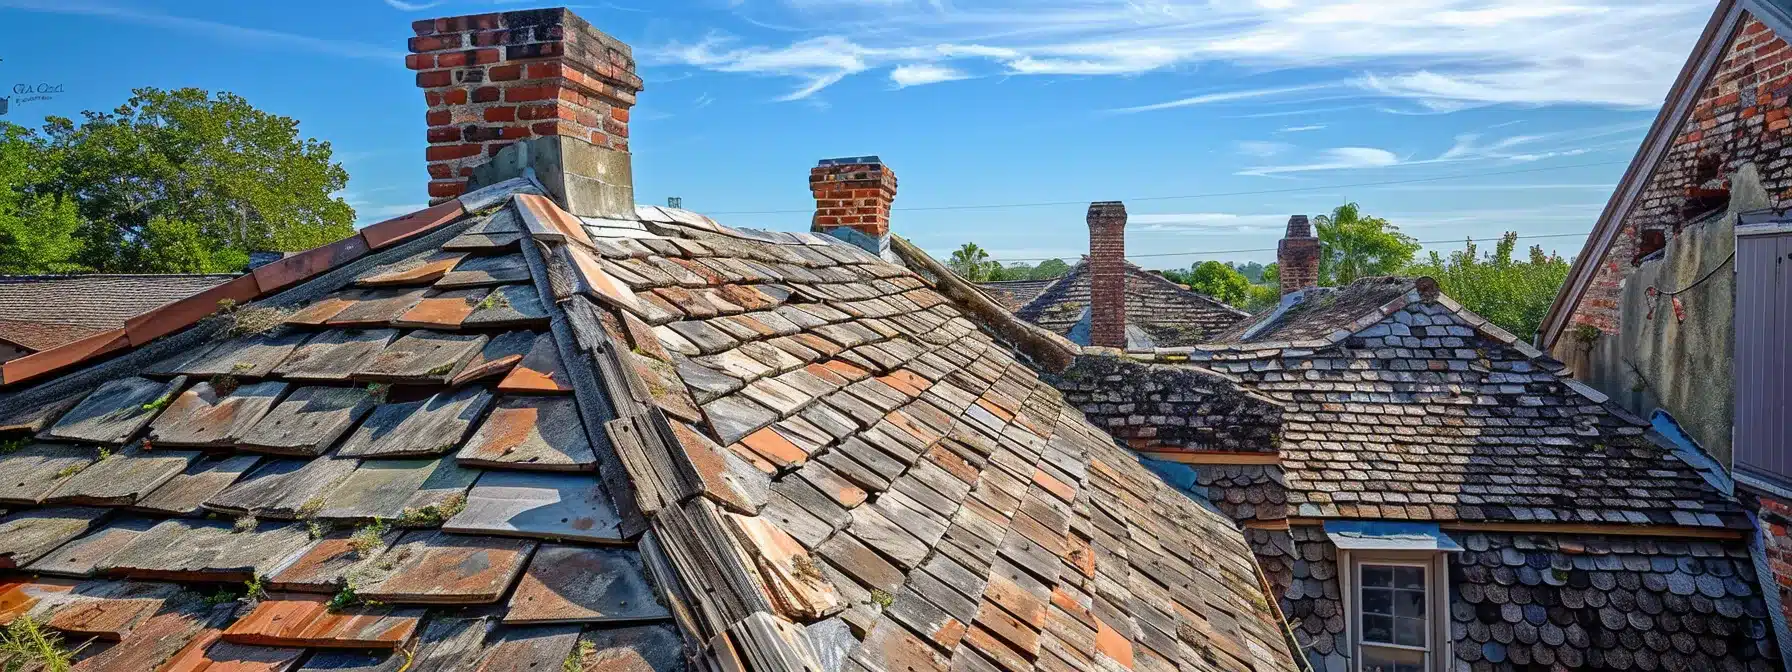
[1297, 256]
[493, 79]
[1107, 274]
[853, 197]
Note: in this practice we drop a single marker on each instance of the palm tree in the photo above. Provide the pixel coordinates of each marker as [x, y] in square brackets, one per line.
[970, 261]
[1353, 245]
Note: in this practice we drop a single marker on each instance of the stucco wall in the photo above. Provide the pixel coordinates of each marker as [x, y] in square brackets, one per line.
[1661, 361]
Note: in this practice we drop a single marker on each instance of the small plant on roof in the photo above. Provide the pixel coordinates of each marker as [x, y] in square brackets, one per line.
[25, 645]
[14, 444]
[433, 515]
[160, 402]
[344, 598]
[494, 300]
[256, 588]
[225, 384]
[309, 509]
[318, 529]
[70, 470]
[367, 539]
[576, 658]
[883, 598]
[244, 523]
[254, 320]
[379, 391]
[225, 595]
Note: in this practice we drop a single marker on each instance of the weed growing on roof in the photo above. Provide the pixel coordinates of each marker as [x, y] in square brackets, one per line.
[806, 569]
[224, 596]
[433, 515]
[575, 659]
[244, 523]
[366, 539]
[70, 470]
[13, 445]
[24, 645]
[378, 392]
[344, 598]
[309, 509]
[256, 588]
[318, 529]
[882, 598]
[160, 403]
[240, 321]
[496, 299]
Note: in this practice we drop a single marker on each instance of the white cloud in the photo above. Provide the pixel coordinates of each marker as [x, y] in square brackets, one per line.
[255, 37]
[1339, 158]
[1208, 222]
[403, 6]
[917, 74]
[1301, 129]
[1437, 54]
[1224, 97]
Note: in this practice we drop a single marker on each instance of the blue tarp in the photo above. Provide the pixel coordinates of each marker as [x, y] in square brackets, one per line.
[1379, 535]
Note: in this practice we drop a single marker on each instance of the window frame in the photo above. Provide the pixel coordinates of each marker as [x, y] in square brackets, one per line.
[1437, 650]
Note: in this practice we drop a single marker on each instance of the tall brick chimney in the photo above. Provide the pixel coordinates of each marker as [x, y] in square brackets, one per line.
[1297, 256]
[492, 80]
[852, 201]
[1107, 274]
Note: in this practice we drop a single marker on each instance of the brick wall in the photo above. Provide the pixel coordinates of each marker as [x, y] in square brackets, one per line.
[855, 193]
[1297, 256]
[493, 79]
[1776, 524]
[1107, 274]
[1741, 116]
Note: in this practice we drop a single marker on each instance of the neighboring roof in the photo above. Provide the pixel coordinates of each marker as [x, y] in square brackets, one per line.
[1703, 60]
[1159, 313]
[44, 311]
[1013, 294]
[626, 430]
[1418, 409]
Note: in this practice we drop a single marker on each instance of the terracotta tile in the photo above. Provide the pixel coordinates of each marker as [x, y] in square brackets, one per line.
[106, 619]
[539, 372]
[434, 567]
[427, 271]
[18, 596]
[39, 363]
[441, 310]
[288, 619]
[321, 310]
[206, 654]
[185, 312]
[387, 233]
[1112, 644]
[1060, 489]
[601, 284]
[546, 221]
[302, 266]
[773, 447]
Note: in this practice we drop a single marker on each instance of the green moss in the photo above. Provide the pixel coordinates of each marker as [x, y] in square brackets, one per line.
[433, 515]
[496, 299]
[244, 523]
[344, 598]
[160, 403]
[13, 445]
[225, 384]
[575, 659]
[882, 598]
[366, 540]
[70, 470]
[378, 392]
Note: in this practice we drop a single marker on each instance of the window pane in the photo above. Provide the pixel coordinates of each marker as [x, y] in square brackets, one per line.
[1378, 629]
[1392, 661]
[1378, 576]
[1408, 603]
[1378, 601]
[1409, 631]
[1409, 578]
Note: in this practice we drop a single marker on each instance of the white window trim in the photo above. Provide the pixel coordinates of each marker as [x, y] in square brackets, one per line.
[1436, 563]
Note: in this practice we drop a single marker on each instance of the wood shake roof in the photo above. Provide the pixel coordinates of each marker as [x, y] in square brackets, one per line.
[494, 435]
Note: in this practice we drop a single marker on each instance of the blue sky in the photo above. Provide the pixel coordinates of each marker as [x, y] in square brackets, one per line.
[980, 102]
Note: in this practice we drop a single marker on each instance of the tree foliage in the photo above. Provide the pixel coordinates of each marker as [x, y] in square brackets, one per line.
[972, 262]
[1219, 280]
[1512, 294]
[170, 181]
[1353, 245]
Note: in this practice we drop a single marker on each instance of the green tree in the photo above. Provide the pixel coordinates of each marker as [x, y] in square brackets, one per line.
[1512, 294]
[1219, 280]
[1259, 297]
[1251, 270]
[1272, 275]
[972, 263]
[1353, 245]
[37, 229]
[184, 180]
[1049, 269]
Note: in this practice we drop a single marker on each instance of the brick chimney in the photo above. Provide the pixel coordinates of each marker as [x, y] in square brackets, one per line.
[1297, 257]
[1107, 274]
[492, 80]
[852, 201]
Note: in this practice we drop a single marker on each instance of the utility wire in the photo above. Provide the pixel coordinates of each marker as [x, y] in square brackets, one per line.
[1271, 249]
[1220, 194]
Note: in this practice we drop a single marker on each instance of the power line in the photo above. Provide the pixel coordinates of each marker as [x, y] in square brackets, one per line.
[1271, 249]
[1220, 194]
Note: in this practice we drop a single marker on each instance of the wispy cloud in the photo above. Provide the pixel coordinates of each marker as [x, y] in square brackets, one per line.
[1301, 129]
[1224, 97]
[1436, 54]
[1338, 158]
[1262, 149]
[246, 36]
[402, 6]
[916, 74]
[1208, 222]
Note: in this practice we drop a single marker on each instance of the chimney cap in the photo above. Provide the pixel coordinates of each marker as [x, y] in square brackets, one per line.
[1298, 227]
[872, 160]
[1107, 209]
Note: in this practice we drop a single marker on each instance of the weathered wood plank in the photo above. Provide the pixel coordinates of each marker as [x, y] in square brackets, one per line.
[284, 489]
[422, 270]
[334, 355]
[183, 495]
[321, 310]
[290, 619]
[253, 356]
[205, 550]
[29, 475]
[309, 421]
[539, 372]
[377, 308]
[204, 416]
[531, 648]
[422, 357]
[116, 411]
[388, 488]
[79, 557]
[509, 306]
[122, 478]
[569, 584]
[432, 426]
[542, 505]
[329, 563]
[441, 309]
[499, 356]
[33, 419]
[433, 567]
[646, 648]
[28, 535]
[482, 271]
[535, 433]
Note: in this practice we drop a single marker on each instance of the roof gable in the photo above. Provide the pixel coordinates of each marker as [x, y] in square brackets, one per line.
[1164, 313]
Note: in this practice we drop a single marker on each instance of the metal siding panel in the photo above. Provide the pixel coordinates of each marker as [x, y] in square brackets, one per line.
[1756, 289]
[1779, 370]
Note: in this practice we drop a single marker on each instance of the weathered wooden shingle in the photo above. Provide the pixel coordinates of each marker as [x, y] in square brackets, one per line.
[122, 478]
[569, 584]
[79, 558]
[309, 421]
[184, 494]
[537, 433]
[509, 306]
[284, 488]
[389, 488]
[116, 411]
[28, 535]
[433, 567]
[541, 505]
[334, 355]
[205, 416]
[431, 426]
[422, 357]
[252, 356]
[200, 550]
[29, 475]
[489, 270]
[306, 620]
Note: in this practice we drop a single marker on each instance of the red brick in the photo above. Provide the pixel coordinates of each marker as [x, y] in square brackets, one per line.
[486, 56]
[424, 27]
[500, 114]
[450, 152]
[504, 73]
[419, 61]
[528, 93]
[435, 78]
[444, 134]
[452, 60]
[446, 189]
[487, 94]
